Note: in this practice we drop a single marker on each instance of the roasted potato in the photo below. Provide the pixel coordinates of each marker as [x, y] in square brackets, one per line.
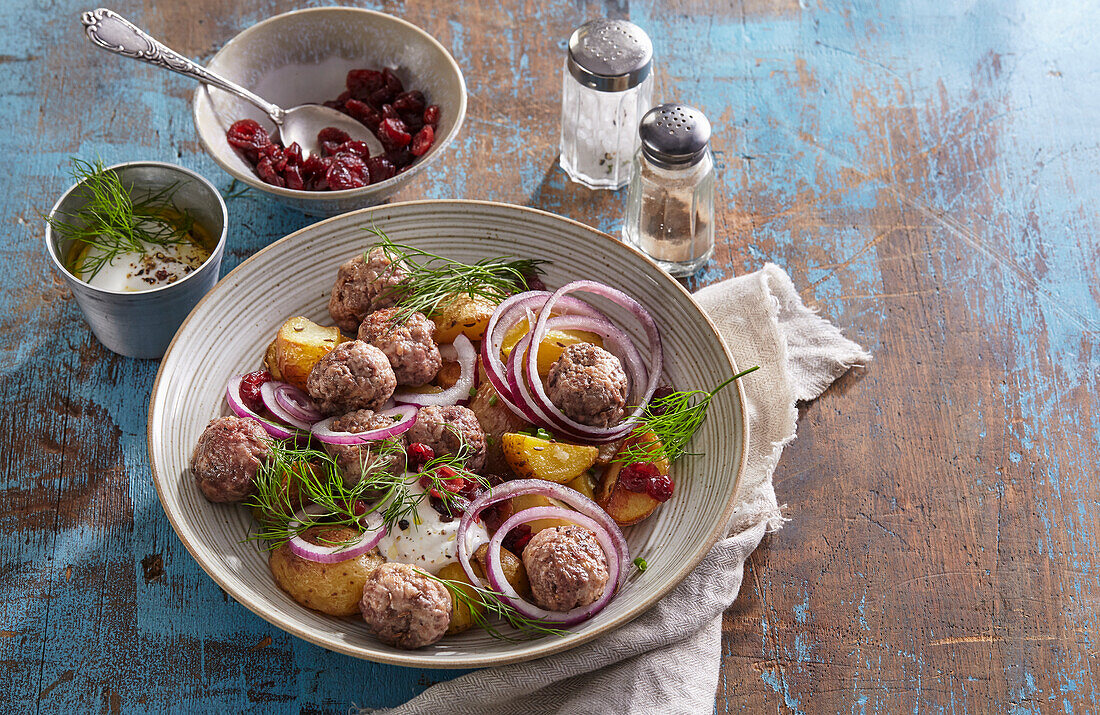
[461, 617]
[551, 347]
[299, 344]
[585, 484]
[334, 589]
[537, 458]
[463, 314]
[621, 504]
[448, 375]
[512, 566]
[496, 420]
[271, 361]
[527, 501]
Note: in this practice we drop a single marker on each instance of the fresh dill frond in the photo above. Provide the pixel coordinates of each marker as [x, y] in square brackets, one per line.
[434, 280]
[235, 190]
[674, 419]
[482, 602]
[115, 219]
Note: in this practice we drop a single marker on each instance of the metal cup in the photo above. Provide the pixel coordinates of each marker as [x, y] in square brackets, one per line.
[140, 324]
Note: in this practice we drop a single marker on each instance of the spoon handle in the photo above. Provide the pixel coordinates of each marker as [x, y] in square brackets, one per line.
[112, 32]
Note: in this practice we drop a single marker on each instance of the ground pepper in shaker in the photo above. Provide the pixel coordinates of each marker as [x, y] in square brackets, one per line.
[670, 205]
[606, 86]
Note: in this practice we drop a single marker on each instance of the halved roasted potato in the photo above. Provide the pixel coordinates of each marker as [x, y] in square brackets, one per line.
[528, 501]
[624, 506]
[551, 347]
[536, 458]
[461, 616]
[463, 314]
[510, 564]
[299, 345]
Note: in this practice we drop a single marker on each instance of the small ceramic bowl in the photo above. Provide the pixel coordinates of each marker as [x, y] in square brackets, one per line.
[303, 57]
[141, 323]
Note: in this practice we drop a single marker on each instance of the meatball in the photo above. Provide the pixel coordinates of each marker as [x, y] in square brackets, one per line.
[588, 384]
[447, 429]
[352, 376]
[353, 460]
[333, 588]
[405, 608]
[413, 354]
[566, 567]
[364, 285]
[227, 458]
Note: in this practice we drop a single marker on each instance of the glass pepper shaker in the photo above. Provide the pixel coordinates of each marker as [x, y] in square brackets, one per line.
[606, 86]
[670, 205]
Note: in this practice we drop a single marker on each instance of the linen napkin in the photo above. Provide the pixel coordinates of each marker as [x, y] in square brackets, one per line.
[667, 660]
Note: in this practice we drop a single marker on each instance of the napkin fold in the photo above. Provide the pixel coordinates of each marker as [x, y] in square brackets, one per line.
[667, 660]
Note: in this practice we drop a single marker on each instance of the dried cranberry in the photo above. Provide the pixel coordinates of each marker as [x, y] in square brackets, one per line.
[361, 83]
[450, 508]
[660, 487]
[293, 154]
[379, 97]
[293, 176]
[380, 169]
[661, 392]
[359, 508]
[532, 281]
[496, 514]
[314, 167]
[425, 481]
[393, 83]
[332, 134]
[333, 104]
[413, 122]
[365, 113]
[517, 539]
[388, 112]
[431, 114]
[356, 147]
[248, 136]
[330, 148]
[343, 98]
[347, 172]
[636, 476]
[250, 389]
[400, 157]
[410, 102]
[419, 454]
[275, 153]
[423, 141]
[393, 134]
[265, 169]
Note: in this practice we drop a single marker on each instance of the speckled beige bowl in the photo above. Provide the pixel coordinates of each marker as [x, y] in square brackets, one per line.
[227, 333]
[304, 56]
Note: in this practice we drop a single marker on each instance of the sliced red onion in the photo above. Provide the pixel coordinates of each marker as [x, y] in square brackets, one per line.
[467, 361]
[298, 403]
[406, 418]
[334, 554]
[233, 397]
[519, 487]
[499, 583]
[269, 391]
[560, 420]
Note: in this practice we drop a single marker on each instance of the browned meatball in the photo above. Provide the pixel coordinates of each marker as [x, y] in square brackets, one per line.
[447, 429]
[405, 608]
[352, 376]
[362, 286]
[412, 351]
[566, 567]
[227, 457]
[588, 384]
[353, 460]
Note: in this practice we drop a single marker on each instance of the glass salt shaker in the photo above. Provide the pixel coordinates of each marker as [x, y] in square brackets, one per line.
[670, 205]
[607, 85]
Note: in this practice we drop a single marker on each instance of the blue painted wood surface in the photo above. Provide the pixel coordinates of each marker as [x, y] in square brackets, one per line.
[927, 172]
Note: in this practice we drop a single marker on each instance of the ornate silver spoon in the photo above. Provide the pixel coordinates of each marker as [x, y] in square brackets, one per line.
[112, 32]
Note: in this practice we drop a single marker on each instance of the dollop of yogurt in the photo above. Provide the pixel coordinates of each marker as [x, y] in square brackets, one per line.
[158, 266]
[430, 544]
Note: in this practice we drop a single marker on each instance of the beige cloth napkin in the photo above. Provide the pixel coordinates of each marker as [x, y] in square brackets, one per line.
[667, 660]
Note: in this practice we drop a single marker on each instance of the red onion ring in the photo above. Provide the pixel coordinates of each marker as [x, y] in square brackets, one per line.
[406, 415]
[519, 487]
[499, 582]
[467, 361]
[236, 404]
[593, 434]
[298, 403]
[334, 554]
[270, 392]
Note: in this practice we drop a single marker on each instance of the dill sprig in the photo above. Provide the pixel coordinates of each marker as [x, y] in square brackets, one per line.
[114, 220]
[294, 476]
[434, 280]
[478, 598]
[674, 418]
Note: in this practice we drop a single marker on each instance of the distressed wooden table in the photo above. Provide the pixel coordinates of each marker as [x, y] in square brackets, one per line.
[926, 171]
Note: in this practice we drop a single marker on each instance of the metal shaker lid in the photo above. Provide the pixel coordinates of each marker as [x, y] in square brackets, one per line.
[610, 55]
[674, 135]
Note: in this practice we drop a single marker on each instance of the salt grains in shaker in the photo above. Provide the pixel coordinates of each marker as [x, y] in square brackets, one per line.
[670, 205]
[607, 86]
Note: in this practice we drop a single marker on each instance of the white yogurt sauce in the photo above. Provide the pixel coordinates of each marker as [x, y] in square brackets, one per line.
[133, 271]
[431, 544]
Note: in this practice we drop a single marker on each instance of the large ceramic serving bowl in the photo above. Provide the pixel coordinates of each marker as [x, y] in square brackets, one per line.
[303, 57]
[228, 331]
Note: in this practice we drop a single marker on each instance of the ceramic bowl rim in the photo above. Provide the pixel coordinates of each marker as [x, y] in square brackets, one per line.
[411, 659]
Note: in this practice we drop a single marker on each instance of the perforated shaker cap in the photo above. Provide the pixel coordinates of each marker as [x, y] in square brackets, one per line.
[674, 135]
[610, 55]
